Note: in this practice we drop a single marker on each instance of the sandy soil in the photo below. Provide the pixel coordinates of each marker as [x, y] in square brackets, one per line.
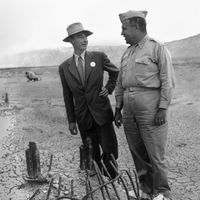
[36, 113]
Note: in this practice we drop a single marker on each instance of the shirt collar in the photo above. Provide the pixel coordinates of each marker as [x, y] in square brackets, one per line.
[142, 41]
[82, 56]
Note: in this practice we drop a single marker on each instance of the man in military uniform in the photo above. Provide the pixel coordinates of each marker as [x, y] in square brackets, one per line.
[144, 91]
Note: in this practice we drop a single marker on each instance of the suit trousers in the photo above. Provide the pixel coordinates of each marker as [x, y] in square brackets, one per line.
[104, 143]
[146, 141]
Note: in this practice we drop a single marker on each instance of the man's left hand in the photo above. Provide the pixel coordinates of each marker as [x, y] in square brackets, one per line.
[104, 92]
[160, 117]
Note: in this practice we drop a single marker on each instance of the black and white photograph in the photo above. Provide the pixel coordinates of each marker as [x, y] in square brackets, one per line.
[99, 100]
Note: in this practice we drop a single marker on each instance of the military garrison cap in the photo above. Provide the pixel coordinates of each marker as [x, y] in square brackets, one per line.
[132, 13]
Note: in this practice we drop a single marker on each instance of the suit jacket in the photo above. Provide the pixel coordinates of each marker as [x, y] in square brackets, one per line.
[83, 103]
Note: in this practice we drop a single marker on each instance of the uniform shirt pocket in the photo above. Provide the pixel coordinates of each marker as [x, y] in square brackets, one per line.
[143, 60]
[146, 65]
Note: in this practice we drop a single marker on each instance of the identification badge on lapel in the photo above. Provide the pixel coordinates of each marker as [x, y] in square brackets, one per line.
[92, 64]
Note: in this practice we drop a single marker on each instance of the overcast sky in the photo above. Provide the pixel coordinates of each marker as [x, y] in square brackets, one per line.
[32, 24]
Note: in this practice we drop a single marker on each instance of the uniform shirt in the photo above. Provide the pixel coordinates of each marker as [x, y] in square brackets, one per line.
[147, 65]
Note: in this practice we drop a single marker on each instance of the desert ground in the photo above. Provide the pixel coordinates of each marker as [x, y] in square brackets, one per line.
[36, 112]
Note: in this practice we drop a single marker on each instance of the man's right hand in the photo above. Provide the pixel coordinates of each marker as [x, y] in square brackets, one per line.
[73, 128]
[118, 117]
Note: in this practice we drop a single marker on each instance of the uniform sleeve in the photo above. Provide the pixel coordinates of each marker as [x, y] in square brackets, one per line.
[167, 76]
[119, 91]
[68, 97]
[112, 73]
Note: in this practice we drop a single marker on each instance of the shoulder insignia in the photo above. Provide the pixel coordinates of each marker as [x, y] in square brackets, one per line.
[157, 41]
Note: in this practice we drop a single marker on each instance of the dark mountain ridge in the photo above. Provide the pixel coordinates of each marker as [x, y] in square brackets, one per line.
[184, 51]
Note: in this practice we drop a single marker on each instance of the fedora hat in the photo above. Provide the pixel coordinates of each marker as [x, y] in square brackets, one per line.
[74, 28]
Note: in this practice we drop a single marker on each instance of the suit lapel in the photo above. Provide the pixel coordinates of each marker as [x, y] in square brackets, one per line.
[88, 68]
[73, 69]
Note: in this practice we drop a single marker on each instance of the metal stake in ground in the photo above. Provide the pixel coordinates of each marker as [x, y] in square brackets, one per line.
[6, 98]
[33, 161]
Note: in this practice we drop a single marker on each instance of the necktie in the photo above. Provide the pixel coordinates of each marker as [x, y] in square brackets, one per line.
[81, 70]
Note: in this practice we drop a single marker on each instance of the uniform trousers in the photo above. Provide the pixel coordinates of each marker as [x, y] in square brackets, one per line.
[146, 141]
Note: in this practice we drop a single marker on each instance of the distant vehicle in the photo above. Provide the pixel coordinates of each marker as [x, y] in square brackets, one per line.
[31, 76]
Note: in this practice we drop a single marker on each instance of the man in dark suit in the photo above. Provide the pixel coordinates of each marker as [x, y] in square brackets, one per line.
[86, 98]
